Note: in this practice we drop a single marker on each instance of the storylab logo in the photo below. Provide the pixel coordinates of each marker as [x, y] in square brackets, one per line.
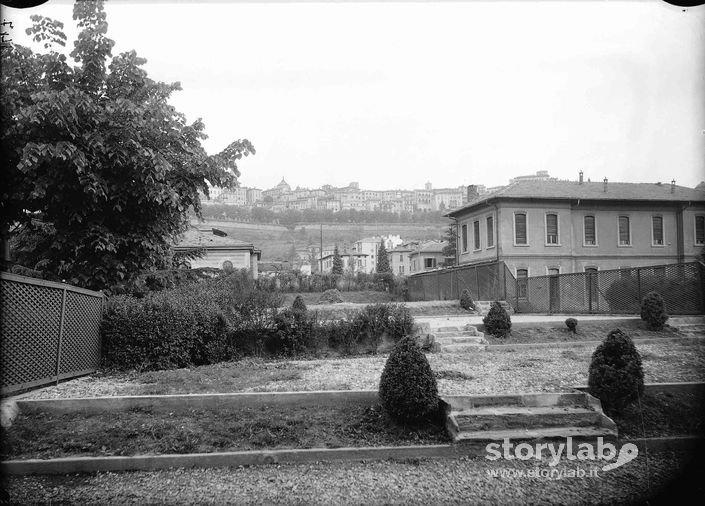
[604, 452]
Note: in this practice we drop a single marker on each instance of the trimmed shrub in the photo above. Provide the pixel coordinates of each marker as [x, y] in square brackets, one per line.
[572, 324]
[299, 304]
[330, 297]
[653, 311]
[497, 321]
[408, 390]
[466, 301]
[162, 332]
[616, 376]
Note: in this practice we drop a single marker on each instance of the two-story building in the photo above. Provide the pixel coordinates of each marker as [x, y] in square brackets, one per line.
[554, 227]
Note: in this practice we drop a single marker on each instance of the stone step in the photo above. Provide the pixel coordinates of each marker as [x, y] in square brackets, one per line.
[465, 332]
[533, 434]
[692, 328]
[461, 340]
[514, 417]
[563, 399]
[462, 348]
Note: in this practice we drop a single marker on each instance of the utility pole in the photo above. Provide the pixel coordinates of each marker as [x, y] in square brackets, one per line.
[321, 254]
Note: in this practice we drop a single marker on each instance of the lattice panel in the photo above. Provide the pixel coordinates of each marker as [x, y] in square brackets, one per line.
[80, 347]
[30, 332]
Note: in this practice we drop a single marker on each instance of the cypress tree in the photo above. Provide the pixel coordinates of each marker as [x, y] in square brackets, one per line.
[382, 258]
[337, 262]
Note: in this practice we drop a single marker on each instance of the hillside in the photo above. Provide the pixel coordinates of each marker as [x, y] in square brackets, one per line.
[276, 241]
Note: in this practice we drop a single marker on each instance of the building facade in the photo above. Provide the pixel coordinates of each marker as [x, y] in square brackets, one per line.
[555, 227]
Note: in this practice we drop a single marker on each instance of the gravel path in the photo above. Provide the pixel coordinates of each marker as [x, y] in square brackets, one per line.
[500, 371]
[423, 482]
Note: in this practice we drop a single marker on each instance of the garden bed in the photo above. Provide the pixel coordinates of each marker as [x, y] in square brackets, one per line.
[153, 431]
[140, 431]
[663, 414]
[589, 331]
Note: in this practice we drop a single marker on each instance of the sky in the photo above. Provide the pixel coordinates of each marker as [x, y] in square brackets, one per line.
[395, 94]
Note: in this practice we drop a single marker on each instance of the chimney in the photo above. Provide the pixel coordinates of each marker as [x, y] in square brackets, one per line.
[673, 186]
[580, 181]
[605, 181]
[472, 192]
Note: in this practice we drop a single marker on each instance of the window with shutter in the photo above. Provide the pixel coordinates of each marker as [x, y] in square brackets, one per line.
[520, 229]
[551, 229]
[624, 232]
[590, 239]
[490, 231]
[476, 234]
[657, 230]
[700, 230]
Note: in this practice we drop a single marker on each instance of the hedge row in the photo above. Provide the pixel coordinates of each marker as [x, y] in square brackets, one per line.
[227, 318]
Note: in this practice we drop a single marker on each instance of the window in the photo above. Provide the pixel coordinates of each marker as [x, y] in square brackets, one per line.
[401, 269]
[657, 230]
[551, 229]
[624, 231]
[429, 263]
[700, 230]
[476, 234]
[490, 231]
[401, 258]
[589, 236]
[464, 235]
[520, 236]
[522, 282]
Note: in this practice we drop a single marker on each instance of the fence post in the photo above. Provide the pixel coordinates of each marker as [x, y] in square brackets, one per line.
[589, 277]
[638, 286]
[477, 285]
[516, 292]
[61, 334]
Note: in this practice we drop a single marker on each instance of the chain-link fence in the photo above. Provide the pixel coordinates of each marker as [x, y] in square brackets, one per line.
[50, 331]
[484, 282]
[614, 291]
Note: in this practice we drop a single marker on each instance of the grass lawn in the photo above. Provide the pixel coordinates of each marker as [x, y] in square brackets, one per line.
[589, 331]
[143, 432]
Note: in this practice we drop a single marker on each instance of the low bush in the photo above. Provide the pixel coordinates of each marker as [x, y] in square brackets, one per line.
[572, 324]
[330, 297]
[653, 311]
[370, 325]
[466, 301]
[616, 376]
[497, 321]
[408, 390]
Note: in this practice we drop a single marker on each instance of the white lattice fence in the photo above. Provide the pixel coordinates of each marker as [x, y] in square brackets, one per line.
[50, 331]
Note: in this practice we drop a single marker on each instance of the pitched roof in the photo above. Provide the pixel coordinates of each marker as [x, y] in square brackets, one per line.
[431, 247]
[573, 190]
[205, 238]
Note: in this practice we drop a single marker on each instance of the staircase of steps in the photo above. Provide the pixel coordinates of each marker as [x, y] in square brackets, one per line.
[484, 418]
[694, 325]
[460, 339]
[483, 306]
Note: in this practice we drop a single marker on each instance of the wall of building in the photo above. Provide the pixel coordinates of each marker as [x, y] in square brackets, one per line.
[571, 253]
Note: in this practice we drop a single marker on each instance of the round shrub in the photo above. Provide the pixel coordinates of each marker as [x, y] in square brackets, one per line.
[407, 389]
[466, 301]
[653, 311]
[497, 321]
[572, 324]
[616, 376]
[330, 297]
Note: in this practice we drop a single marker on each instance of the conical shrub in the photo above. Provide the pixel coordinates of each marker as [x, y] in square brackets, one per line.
[616, 376]
[497, 321]
[299, 304]
[466, 301]
[408, 390]
[653, 311]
